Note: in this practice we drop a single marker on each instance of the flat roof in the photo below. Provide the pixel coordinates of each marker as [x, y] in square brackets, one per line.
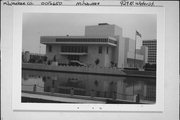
[78, 40]
[81, 37]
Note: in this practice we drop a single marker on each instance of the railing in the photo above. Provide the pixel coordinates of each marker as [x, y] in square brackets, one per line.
[92, 93]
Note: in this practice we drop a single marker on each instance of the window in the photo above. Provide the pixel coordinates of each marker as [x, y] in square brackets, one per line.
[73, 57]
[100, 49]
[86, 49]
[74, 49]
[107, 50]
[50, 48]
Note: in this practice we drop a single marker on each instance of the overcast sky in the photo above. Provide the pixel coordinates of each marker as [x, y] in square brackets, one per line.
[58, 24]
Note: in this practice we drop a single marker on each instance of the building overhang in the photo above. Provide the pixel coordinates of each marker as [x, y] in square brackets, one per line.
[78, 43]
[71, 53]
[48, 40]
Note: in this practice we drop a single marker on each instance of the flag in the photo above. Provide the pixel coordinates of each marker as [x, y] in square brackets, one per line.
[138, 34]
[138, 40]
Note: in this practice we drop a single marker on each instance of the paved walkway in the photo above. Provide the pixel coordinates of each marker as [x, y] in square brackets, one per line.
[60, 99]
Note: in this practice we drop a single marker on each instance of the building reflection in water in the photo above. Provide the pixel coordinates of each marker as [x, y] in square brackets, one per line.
[116, 87]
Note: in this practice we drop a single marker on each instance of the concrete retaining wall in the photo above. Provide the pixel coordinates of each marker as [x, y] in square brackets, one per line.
[88, 70]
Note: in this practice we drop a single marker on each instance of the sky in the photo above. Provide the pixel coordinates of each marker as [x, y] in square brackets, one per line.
[73, 24]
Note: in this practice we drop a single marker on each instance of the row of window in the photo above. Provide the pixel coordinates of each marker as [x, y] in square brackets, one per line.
[152, 53]
[151, 56]
[149, 42]
[82, 40]
[151, 47]
[152, 50]
[100, 50]
[73, 57]
[78, 49]
[148, 45]
[86, 40]
[74, 49]
[151, 59]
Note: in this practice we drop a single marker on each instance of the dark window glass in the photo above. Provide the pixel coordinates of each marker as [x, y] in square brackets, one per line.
[74, 49]
[107, 50]
[100, 49]
[50, 48]
[86, 50]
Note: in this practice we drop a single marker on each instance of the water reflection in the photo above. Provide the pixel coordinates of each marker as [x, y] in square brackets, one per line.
[114, 87]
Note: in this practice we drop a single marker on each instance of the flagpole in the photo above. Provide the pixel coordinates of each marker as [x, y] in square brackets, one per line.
[135, 51]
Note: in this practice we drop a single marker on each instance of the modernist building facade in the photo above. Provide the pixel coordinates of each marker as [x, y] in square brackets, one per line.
[102, 45]
[152, 46]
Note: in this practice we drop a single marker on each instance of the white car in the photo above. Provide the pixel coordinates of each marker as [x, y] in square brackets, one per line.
[76, 63]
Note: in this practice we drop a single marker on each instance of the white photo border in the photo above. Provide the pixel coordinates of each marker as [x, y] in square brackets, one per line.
[17, 49]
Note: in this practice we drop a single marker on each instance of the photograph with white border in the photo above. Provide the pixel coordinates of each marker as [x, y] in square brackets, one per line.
[103, 60]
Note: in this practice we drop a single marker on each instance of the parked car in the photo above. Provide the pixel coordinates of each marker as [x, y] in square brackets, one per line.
[76, 63]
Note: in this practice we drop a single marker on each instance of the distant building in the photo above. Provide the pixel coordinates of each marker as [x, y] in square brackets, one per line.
[152, 46]
[130, 59]
[102, 45]
[28, 57]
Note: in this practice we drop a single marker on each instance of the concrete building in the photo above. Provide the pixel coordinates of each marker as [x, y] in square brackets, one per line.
[102, 45]
[152, 46]
[132, 60]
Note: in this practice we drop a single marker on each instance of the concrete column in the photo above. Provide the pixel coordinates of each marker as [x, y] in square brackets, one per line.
[92, 93]
[72, 91]
[34, 88]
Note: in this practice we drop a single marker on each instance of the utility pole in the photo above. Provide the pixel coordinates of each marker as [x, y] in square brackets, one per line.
[39, 48]
[135, 51]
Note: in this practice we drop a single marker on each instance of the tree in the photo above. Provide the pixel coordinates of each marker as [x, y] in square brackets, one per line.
[97, 61]
[113, 64]
[54, 59]
[96, 83]
[45, 58]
